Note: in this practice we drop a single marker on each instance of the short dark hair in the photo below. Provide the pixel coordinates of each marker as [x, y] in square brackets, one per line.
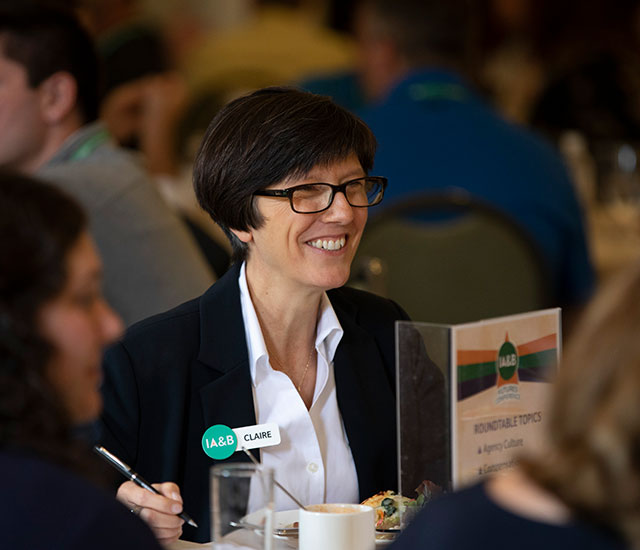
[39, 225]
[427, 30]
[46, 40]
[266, 137]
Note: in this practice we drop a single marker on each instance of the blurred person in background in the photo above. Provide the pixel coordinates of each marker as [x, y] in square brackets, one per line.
[54, 324]
[278, 42]
[510, 62]
[144, 105]
[48, 112]
[593, 85]
[436, 133]
[143, 97]
[582, 488]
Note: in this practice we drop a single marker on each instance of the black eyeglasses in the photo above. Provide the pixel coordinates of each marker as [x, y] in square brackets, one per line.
[310, 198]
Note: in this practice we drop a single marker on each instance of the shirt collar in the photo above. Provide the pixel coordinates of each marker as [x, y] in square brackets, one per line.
[76, 140]
[328, 331]
[253, 333]
[426, 76]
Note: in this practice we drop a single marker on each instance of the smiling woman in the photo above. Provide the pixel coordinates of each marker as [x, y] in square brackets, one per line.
[78, 323]
[278, 339]
[290, 248]
[54, 324]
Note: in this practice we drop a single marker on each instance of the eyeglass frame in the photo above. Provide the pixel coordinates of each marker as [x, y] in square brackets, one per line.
[341, 188]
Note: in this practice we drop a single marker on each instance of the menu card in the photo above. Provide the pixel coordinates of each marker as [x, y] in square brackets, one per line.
[471, 396]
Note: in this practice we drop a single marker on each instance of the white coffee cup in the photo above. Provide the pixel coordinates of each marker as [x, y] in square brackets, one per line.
[337, 526]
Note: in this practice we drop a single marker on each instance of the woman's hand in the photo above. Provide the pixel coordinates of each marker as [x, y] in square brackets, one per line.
[159, 511]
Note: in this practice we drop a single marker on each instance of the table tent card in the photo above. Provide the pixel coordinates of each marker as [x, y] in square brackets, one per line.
[471, 396]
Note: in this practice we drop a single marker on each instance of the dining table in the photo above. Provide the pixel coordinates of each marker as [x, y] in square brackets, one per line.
[242, 539]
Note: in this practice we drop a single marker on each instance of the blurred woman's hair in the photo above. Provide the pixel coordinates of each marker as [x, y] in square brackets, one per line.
[39, 225]
[593, 457]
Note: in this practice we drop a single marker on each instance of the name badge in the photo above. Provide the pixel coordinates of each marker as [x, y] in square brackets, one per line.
[255, 437]
[219, 442]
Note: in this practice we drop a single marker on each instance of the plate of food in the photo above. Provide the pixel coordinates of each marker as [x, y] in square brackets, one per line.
[393, 511]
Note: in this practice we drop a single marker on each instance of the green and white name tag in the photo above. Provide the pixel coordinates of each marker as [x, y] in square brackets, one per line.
[256, 437]
[220, 441]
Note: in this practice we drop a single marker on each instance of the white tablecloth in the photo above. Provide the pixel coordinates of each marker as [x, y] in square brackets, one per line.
[238, 540]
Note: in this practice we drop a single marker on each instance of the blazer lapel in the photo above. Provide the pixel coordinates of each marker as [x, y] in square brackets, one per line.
[228, 399]
[361, 389]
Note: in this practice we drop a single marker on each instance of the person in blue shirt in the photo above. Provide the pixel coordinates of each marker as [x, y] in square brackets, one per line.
[435, 132]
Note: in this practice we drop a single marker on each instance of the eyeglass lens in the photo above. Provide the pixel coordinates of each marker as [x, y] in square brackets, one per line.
[317, 196]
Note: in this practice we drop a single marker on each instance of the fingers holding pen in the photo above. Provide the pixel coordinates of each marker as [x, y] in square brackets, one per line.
[158, 511]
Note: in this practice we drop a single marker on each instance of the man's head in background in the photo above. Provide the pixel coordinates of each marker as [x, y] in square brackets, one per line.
[50, 74]
[396, 36]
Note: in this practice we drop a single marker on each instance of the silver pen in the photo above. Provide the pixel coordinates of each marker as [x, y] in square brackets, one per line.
[127, 472]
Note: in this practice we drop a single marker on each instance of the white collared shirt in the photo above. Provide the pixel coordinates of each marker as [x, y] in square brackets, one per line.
[313, 460]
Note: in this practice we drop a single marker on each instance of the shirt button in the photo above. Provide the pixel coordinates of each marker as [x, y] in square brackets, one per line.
[312, 467]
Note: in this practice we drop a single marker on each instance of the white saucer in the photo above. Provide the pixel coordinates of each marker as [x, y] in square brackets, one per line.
[285, 519]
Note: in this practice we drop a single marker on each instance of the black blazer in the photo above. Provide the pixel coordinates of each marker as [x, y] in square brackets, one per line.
[177, 373]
